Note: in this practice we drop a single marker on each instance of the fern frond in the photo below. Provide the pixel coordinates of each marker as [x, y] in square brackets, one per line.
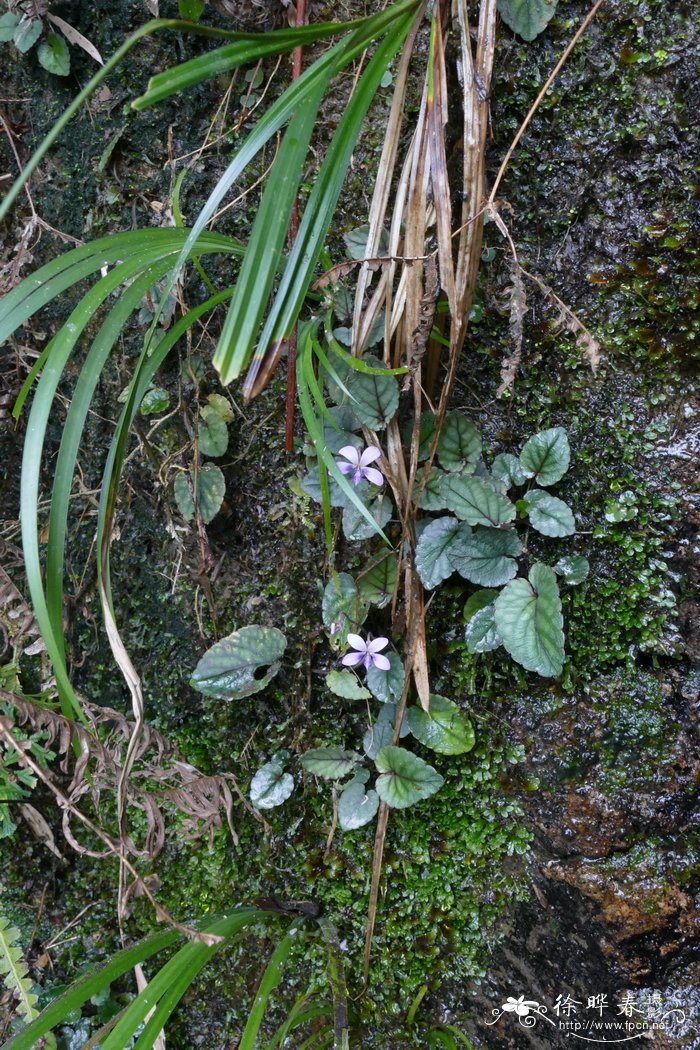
[13, 970]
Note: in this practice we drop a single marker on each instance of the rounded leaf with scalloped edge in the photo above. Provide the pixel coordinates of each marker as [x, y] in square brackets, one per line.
[241, 664]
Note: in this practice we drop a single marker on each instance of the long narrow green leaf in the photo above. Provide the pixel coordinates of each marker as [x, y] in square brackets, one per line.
[267, 237]
[244, 52]
[178, 973]
[320, 208]
[299, 1015]
[90, 984]
[271, 978]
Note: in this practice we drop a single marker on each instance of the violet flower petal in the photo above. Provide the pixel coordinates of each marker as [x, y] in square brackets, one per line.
[369, 455]
[377, 644]
[380, 661]
[350, 453]
[351, 659]
[345, 468]
[373, 475]
[357, 642]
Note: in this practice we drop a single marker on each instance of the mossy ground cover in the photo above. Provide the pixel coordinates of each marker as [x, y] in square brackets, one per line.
[616, 244]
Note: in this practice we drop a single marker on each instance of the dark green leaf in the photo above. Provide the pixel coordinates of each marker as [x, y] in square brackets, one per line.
[191, 9]
[53, 54]
[271, 786]
[475, 501]
[442, 728]
[549, 515]
[211, 489]
[574, 569]
[330, 762]
[507, 468]
[356, 242]
[155, 400]
[546, 456]
[377, 581]
[356, 805]
[355, 527]
[27, 33]
[487, 557]
[232, 667]
[346, 684]
[529, 619]
[387, 686]
[343, 608]
[439, 548]
[375, 398]
[478, 600]
[459, 446]
[212, 432]
[432, 496]
[527, 18]
[481, 633]
[405, 778]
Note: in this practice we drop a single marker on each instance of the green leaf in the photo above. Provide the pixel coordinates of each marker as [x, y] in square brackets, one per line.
[378, 735]
[211, 489]
[354, 525]
[375, 398]
[330, 762]
[432, 496]
[440, 545]
[155, 400]
[53, 54]
[459, 446]
[8, 25]
[476, 501]
[222, 406]
[573, 569]
[426, 433]
[232, 667]
[549, 515]
[271, 786]
[378, 580]
[481, 633]
[343, 609]
[478, 600]
[212, 432]
[529, 619]
[404, 778]
[487, 557]
[387, 686]
[442, 728]
[356, 805]
[546, 456]
[527, 18]
[27, 33]
[191, 9]
[345, 684]
[507, 468]
[356, 242]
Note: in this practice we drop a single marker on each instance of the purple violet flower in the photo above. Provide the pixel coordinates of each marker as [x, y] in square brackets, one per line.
[358, 465]
[367, 652]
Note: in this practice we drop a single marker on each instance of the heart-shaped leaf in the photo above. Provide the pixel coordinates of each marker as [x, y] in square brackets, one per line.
[232, 668]
[549, 515]
[387, 686]
[527, 18]
[378, 580]
[330, 762]
[546, 456]
[27, 33]
[432, 496]
[211, 489]
[459, 446]
[529, 619]
[222, 406]
[442, 727]
[212, 432]
[271, 786]
[507, 468]
[476, 501]
[374, 398]
[481, 633]
[488, 557]
[356, 527]
[356, 805]
[440, 545]
[573, 570]
[405, 778]
[53, 55]
[345, 684]
[378, 736]
[8, 25]
[342, 608]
